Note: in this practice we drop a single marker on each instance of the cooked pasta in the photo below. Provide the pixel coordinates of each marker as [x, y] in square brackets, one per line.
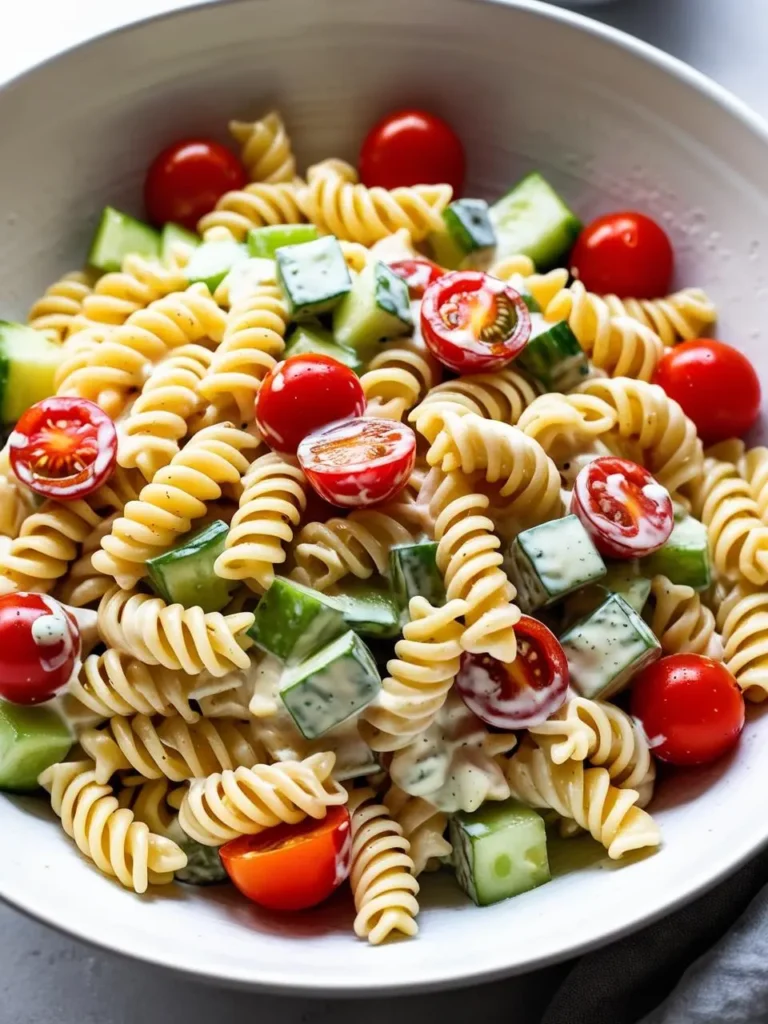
[255, 206]
[14, 505]
[423, 826]
[400, 374]
[266, 148]
[681, 622]
[753, 466]
[55, 312]
[562, 424]
[116, 295]
[686, 314]
[742, 619]
[149, 802]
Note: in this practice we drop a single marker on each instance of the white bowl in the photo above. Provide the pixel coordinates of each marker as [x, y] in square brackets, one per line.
[613, 123]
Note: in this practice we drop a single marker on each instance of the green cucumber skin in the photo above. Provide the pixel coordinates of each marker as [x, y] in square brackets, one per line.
[292, 621]
[469, 225]
[413, 571]
[265, 241]
[308, 338]
[185, 575]
[376, 309]
[553, 356]
[370, 611]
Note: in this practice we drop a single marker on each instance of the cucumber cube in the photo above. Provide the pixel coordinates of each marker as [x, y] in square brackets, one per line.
[331, 686]
[377, 308]
[551, 560]
[311, 337]
[31, 740]
[553, 355]
[368, 610]
[28, 364]
[293, 621]
[622, 578]
[204, 865]
[266, 241]
[413, 571]
[607, 648]
[185, 575]
[174, 235]
[119, 235]
[684, 559]
[212, 261]
[499, 851]
[313, 275]
[245, 278]
[534, 221]
[468, 229]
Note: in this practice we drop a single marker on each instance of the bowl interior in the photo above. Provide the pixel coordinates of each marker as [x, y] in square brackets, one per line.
[613, 125]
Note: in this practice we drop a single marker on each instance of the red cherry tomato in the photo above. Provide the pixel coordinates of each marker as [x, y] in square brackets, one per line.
[303, 393]
[412, 147]
[626, 512]
[188, 178]
[625, 254]
[474, 323]
[292, 867]
[418, 274]
[691, 708]
[359, 462]
[63, 448]
[523, 693]
[715, 385]
[39, 647]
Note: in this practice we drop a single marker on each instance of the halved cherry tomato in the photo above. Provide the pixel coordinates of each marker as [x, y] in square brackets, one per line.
[523, 693]
[625, 254]
[303, 393]
[359, 462]
[418, 274]
[474, 323]
[188, 178]
[39, 647]
[292, 867]
[627, 513]
[715, 384]
[63, 448]
[691, 708]
[412, 147]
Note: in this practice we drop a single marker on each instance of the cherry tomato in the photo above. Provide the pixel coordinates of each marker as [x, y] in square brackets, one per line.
[292, 867]
[412, 147]
[715, 384]
[625, 254]
[39, 647]
[359, 462]
[63, 448]
[691, 708]
[523, 693]
[418, 274]
[188, 178]
[626, 512]
[303, 393]
[474, 323]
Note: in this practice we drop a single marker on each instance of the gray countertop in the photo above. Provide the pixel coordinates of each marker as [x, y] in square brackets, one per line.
[46, 978]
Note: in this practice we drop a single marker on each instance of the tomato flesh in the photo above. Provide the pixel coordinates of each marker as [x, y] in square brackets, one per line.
[626, 512]
[63, 448]
[418, 274]
[412, 147]
[691, 708]
[187, 179]
[39, 647]
[292, 867]
[625, 254]
[303, 393]
[474, 323]
[358, 462]
[526, 691]
[715, 384]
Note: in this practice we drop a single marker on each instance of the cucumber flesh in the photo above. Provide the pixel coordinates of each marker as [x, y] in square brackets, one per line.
[173, 235]
[28, 364]
[212, 261]
[684, 559]
[204, 865]
[533, 220]
[377, 308]
[622, 578]
[311, 337]
[553, 355]
[31, 740]
[119, 235]
[184, 575]
[413, 571]
[468, 229]
[313, 275]
[293, 621]
[264, 242]
[370, 611]
[246, 277]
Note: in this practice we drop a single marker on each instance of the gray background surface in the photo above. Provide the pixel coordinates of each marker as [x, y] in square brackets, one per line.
[46, 978]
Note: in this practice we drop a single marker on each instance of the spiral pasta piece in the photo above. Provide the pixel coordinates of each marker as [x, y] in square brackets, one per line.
[83, 585]
[399, 375]
[14, 507]
[249, 799]
[271, 505]
[681, 622]
[339, 205]
[513, 266]
[742, 619]
[382, 874]
[423, 826]
[420, 675]
[563, 423]
[257, 205]
[107, 834]
[54, 313]
[753, 466]
[116, 295]
[177, 495]
[183, 639]
[355, 255]
[584, 795]
[149, 802]
[686, 314]
[266, 148]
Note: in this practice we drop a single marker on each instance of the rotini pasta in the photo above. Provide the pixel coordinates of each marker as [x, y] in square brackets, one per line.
[742, 619]
[55, 312]
[149, 802]
[255, 206]
[398, 377]
[266, 148]
[686, 314]
[681, 622]
[423, 826]
[753, 466]
[116, 295]
[563, 423]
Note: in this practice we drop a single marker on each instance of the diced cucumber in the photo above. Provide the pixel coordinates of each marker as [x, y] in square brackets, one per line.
[499, 851]
[413, 572]
[246, 277]
[684, 559]
[607, 648]
[212, 261]
[266, 241]
[204, 865]
[531, 303]
[549, 561]
[331, 686]
[117, 236]
[377, 308]
[468, 229]
[533, 220]
[184, 575]
[28, 364]
[293, 621]
[173, 235]
[622, 578]
[313, 275]
[31, 740]
[311, 337]
[553, 355]
[370, 611]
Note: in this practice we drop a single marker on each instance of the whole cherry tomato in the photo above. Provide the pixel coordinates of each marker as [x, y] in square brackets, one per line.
[63, 448]
[715, 385]
[303, 393]
[412, 147]
[691, 708]
[39, 647]
[625, 254]
[187, 179]
[418, 274]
